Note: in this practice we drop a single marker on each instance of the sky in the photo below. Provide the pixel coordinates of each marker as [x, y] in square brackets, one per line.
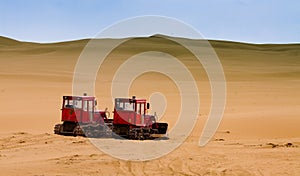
[251, 21]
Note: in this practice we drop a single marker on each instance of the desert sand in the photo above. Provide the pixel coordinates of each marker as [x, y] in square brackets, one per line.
[259, 133]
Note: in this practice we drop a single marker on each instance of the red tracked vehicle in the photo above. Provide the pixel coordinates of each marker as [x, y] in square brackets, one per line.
[130, 119]
[79, 117]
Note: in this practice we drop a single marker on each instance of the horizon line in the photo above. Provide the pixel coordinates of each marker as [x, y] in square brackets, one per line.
[145, 36]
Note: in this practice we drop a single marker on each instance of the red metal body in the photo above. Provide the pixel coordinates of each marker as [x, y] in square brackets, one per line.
[81, 109]
[132, 112]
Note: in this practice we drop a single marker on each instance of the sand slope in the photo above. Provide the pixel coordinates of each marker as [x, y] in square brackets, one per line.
[263, 83]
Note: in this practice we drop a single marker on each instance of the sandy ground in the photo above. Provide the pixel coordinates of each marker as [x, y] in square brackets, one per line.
[259, 134]
[49, 154]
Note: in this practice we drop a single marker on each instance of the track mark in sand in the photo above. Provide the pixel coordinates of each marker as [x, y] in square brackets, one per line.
[20, 133]
[219, 139]
[143, 167]
[265, 145]
[138, 168]
[73, 159]
[235, 144]
[127, 167]
[272, 145]
[79, 142]
[123, 167]
[68, 160]
[234, 170]
[177, 166]
[187, 165]
[252, 145]
[171, 168]
[161, 168]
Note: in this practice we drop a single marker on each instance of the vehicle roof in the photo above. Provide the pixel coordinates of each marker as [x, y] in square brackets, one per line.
[70, 97]
[128, 99]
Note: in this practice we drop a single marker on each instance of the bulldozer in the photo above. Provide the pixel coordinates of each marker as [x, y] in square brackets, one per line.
[130, 120]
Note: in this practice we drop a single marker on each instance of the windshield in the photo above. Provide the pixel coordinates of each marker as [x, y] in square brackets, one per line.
[126, 106]
[73, 104]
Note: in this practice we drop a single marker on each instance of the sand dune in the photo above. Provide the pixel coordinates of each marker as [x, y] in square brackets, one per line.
[262, 111]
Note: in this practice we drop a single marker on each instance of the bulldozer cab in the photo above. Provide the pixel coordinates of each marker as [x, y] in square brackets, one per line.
[78, 109]
[124, 105]
[130, 111]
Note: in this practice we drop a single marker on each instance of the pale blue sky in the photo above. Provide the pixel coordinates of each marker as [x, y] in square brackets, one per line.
[255, 21]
